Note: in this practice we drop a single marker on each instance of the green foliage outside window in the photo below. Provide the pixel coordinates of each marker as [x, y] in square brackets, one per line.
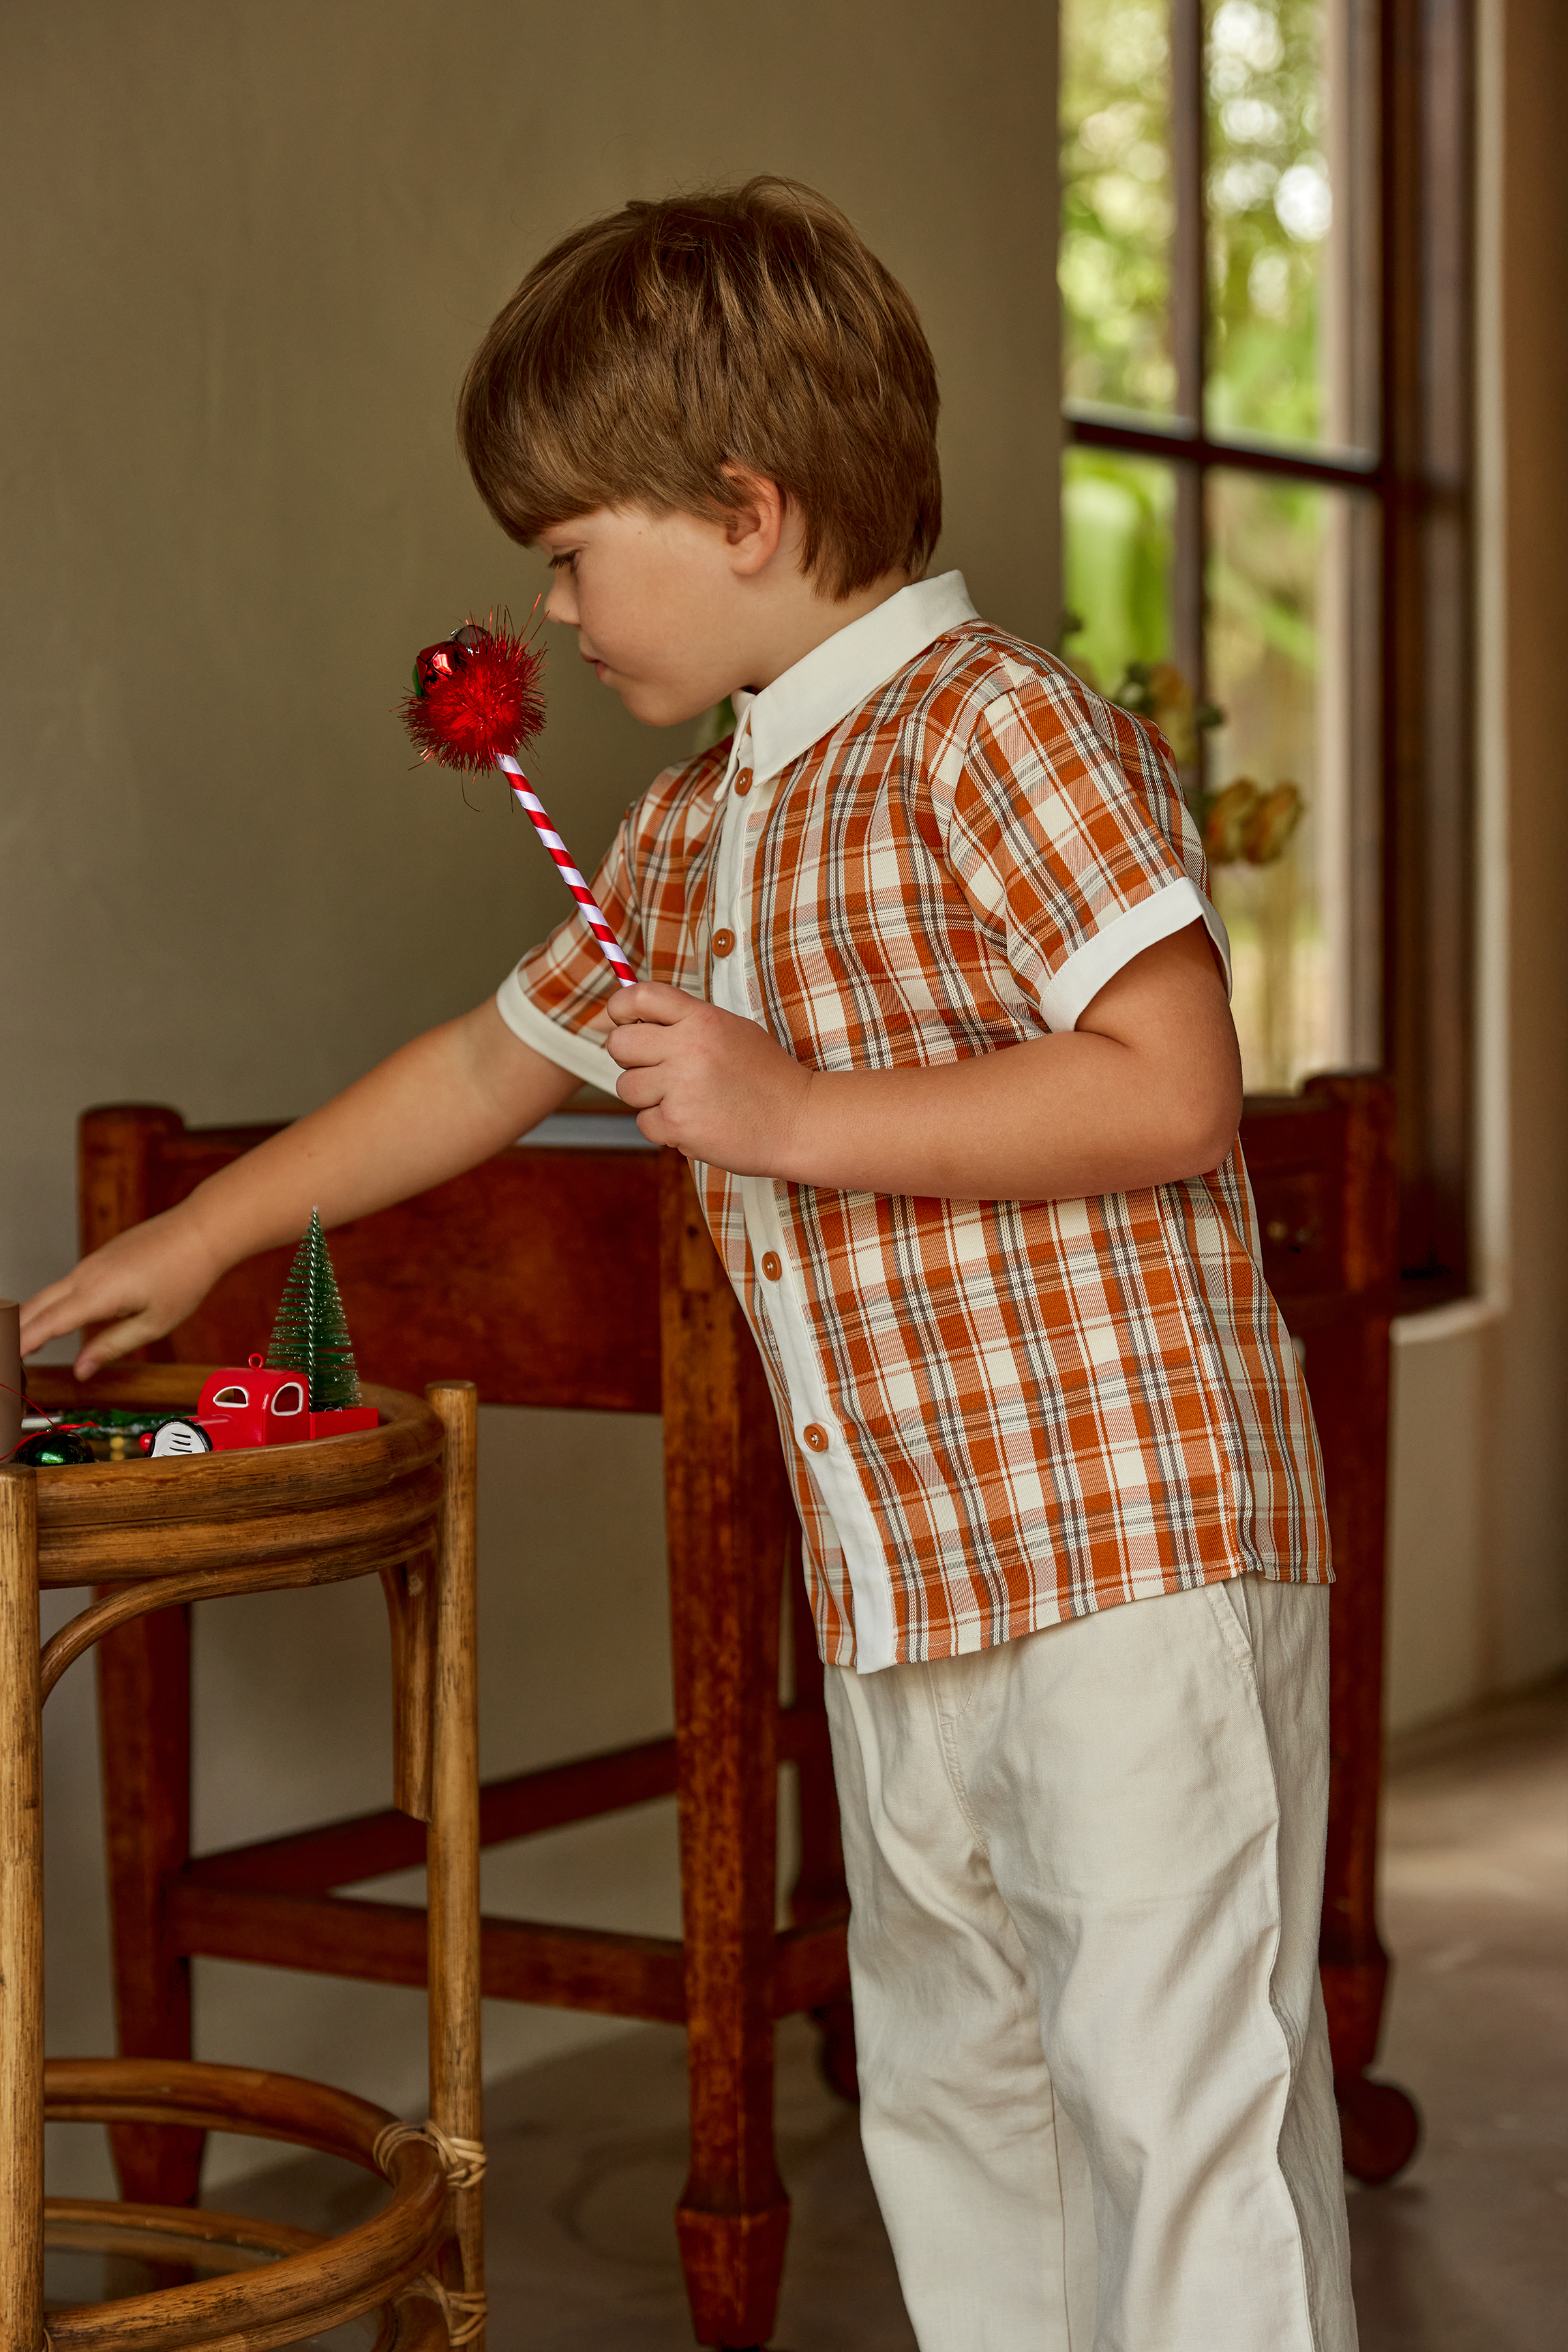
[1268, 199]
[1117, 207]
[1274, 559]
[1117, 524]
[1269, 208]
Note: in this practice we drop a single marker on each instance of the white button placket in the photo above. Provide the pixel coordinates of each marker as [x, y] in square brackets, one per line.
[731, 985]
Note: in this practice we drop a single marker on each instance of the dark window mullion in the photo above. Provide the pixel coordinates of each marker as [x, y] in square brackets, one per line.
[1188, 270]
[1247, 457]
[1189, 331]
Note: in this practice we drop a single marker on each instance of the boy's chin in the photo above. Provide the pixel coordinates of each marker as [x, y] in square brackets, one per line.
[657, 706]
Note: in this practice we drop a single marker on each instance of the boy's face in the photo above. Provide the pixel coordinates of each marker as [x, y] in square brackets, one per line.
[659, 608]
[676, 611]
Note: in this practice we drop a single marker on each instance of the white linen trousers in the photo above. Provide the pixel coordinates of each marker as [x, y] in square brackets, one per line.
[1086, 1870]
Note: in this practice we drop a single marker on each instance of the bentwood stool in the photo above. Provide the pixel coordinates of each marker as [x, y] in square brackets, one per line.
[152, 1535]
[582, 1276]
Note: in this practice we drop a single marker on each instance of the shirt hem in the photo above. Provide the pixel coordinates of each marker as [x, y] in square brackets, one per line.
[1048, 1609]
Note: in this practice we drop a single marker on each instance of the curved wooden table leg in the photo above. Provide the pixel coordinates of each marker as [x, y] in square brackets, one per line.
[144, 1714]
[727, 1513]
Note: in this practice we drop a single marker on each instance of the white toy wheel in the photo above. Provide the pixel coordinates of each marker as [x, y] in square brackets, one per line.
[179, 1437]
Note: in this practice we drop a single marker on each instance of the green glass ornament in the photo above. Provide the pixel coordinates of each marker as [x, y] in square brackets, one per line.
[52, 1449]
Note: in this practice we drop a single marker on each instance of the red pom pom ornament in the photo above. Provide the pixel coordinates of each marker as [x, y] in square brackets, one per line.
[476, 702]
[476, 697]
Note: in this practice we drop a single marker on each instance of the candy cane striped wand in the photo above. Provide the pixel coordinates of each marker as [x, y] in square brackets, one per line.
[476, 702]
[529, 800]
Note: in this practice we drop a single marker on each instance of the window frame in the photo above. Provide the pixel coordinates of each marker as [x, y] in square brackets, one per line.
[1419, 293]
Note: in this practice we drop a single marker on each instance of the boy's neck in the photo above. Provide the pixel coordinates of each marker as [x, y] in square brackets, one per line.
[795, 624]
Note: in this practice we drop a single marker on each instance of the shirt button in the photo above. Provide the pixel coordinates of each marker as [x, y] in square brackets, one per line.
[743, 782]
[815, 1437]
[770, 1266]
[724, 942]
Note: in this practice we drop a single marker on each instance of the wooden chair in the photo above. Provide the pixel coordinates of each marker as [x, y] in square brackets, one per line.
[397, 1500]
[584, 1277]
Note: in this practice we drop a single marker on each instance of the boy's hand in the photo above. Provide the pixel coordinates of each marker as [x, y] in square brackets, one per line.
[139, 1286]
[440, 1104]
[718, 1088]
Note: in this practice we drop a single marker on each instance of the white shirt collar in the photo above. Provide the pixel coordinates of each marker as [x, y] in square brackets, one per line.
[808, 700]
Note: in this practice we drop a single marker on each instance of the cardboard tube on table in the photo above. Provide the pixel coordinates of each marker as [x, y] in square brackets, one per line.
[10, 1376]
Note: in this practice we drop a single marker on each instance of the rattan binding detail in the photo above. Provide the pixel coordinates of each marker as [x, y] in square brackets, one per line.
[463, 2160]
[464, 2313]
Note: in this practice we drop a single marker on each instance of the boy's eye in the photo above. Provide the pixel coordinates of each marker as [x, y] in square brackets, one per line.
[564, 562]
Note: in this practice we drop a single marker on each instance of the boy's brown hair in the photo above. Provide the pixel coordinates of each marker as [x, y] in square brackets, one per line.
[747, 328]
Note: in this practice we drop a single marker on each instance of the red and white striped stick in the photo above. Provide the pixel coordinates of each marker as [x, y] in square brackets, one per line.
[528, 800]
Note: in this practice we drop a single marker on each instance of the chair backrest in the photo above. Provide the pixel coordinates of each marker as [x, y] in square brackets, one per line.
[1321, 1165]
[536, 1276]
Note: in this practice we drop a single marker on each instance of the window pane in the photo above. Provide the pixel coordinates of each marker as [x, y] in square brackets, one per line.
[1118, 209]
[1290, 806]
[1118, 515]
[1289, 286]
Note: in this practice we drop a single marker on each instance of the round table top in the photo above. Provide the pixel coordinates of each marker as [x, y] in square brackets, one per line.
[372, 1495]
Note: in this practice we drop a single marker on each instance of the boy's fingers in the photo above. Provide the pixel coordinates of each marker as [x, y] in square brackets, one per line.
[638, 1047]
[70, 1305]
[640, 1089]
[46, 1316]
[40, 1324]
[116, 1339]
[651, 1000]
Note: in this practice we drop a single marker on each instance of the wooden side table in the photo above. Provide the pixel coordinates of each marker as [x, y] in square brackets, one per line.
[398, 1501]
[582, 1278]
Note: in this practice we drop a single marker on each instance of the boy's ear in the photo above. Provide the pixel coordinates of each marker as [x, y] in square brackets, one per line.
[754, 528]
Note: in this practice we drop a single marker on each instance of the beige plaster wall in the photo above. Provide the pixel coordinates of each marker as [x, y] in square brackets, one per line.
[249, 248]
[1479, 1570]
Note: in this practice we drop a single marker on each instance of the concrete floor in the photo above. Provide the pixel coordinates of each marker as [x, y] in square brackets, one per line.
[1468, 2252]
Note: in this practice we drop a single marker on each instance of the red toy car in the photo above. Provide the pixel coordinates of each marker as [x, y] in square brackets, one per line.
[251, 1404]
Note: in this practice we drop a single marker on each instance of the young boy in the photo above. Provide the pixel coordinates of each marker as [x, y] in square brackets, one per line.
[932, 1000]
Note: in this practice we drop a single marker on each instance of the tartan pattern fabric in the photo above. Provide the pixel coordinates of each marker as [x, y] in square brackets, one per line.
[1047, 1407]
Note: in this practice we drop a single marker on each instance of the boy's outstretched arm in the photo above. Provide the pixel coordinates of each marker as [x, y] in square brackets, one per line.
[437, 1106]
[1145, 1090]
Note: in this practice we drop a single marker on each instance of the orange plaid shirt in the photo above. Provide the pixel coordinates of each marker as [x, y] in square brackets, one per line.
[929, 840]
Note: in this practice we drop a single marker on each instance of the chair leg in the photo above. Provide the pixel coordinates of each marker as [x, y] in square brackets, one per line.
[144, 1713]
[21, 1925]
[819, 1888]
[455, 2094]
[728, 1511]
[1347, 1367]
